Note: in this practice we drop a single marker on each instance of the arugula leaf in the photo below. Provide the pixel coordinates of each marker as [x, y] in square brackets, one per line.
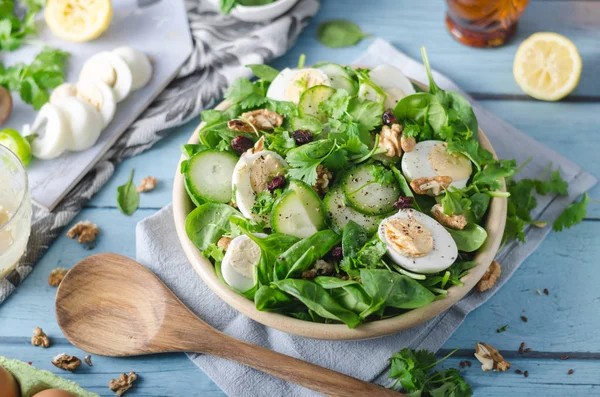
[264, 72]
[572, 215]
[128, 198]
[340, 33]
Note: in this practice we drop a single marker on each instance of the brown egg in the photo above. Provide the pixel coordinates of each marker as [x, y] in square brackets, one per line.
[8, 384]
[54, 393]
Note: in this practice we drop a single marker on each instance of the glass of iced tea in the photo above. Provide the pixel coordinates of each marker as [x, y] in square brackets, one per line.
[483, 23]
[15, 211]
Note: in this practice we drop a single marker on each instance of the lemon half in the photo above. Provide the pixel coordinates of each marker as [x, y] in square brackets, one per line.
[547, 66]
[78, 20]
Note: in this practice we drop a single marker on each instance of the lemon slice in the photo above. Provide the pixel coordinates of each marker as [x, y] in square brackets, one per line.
[547, 66]
[78, 20]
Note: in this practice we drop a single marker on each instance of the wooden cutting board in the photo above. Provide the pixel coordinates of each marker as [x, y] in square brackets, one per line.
[160, 29]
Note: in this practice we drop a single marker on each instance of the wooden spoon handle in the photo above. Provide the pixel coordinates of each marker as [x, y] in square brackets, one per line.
[293, 370]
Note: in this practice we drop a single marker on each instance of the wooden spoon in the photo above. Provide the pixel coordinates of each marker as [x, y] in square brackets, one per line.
[110, 305]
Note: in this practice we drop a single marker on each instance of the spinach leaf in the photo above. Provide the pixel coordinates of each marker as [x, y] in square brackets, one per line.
[318, 300]
[208, 223]
[390, 289]
[128, 198]
[479, 205]
[339, 33]
[268, 299]
[264, 72]
[354, 237]
[303, 254]
[333, 282]
[352, 297]
[469, 239]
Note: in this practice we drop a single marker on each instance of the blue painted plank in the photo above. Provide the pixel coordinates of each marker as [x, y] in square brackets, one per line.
[412, 24]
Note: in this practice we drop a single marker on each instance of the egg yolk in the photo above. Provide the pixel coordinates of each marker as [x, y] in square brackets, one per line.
[409, 237]
[301, 82]
[261, 170]
[456, 166]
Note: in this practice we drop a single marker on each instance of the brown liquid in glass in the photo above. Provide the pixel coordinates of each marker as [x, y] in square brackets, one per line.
[483, 23]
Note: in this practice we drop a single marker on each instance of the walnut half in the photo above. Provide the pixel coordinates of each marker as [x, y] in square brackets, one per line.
[66, 362]
[261, 119]
[148, 183]
[451, 221]
[122, 383]
[389, 139]
[56, 276]
[490, 358]
[426, 185]
[489, 277]
[85, 231]
[39, 338]
[324, 176]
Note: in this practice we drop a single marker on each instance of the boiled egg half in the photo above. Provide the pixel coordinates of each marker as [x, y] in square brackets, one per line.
[291, 83]
[417, 242]
[251, 176]
[239, 262]
[392, 81]
[430, 159]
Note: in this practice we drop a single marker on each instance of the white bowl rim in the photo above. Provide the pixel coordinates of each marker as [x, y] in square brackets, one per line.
[496, 219]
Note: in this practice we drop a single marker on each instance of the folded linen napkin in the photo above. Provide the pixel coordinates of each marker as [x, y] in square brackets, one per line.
[158, 248]
[222, 46]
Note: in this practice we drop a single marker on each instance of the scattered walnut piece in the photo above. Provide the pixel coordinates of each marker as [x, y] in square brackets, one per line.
[86, 232]
[223, 243]
[320, 268]
[39, 338]
[408, 143]
[490, 358]
[263, 119]
[122, 383]
[240, 126]
[451, 221]
[324, 176]
[389, 139]
[259, 146]
[66, 362]
[148, 183]
[489, 277]
[426, 185]
[88, 360]
[56, 276]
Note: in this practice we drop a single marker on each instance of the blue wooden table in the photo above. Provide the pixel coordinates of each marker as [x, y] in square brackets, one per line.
[563, 323]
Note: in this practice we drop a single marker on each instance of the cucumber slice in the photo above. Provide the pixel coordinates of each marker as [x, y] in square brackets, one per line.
[299, 212]
[339, 77]
[367, 196]
[339, 213]
[310, 100]
[208, 176]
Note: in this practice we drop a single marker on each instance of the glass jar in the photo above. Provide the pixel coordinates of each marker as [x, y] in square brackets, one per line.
[15, 211]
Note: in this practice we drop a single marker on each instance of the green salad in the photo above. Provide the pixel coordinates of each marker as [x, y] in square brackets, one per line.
[336, 194]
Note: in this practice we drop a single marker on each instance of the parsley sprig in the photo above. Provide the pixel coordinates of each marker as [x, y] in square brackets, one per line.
[14, 30]
[414, 374]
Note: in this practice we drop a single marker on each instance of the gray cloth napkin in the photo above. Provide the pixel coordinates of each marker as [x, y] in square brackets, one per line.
[222, 46]
[158, 248]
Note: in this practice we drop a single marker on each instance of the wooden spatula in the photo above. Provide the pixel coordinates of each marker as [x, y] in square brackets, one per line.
[111, 305]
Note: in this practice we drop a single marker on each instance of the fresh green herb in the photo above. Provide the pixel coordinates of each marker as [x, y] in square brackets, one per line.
[572, 215]
[263, 205]
[34, 81]
[305, 159]
[413, 371]
[340, 33]
[128, 198]
[264, 72]
[206, 224]
[469, 239]
[382, 175]
[502, 329]
[301, 61]
[13, 30]
[227, 5]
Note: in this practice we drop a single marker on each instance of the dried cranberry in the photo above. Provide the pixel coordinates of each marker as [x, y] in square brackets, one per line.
[388, 117]
[302, 137]
[276, 183]
[241, 143]
[337, 253]
[403, 202]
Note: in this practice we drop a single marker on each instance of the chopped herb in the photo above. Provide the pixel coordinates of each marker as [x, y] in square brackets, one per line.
[502, 329]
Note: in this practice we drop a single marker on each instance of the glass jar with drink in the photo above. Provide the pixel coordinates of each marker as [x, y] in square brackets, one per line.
[15, 211]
